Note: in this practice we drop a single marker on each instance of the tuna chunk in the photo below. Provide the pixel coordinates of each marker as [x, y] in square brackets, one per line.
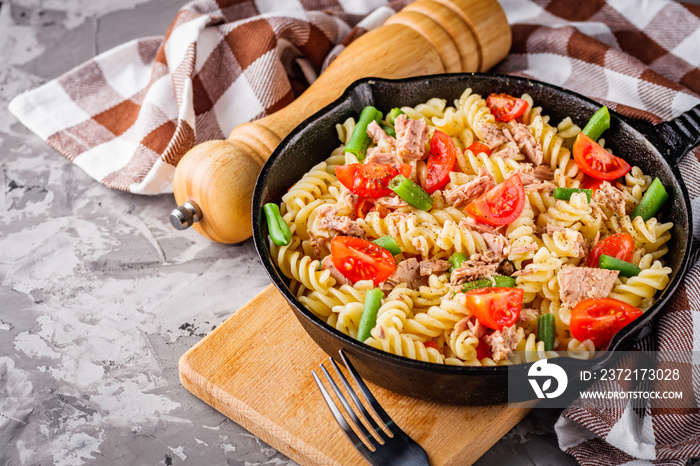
[429, 267]
[408, 272]
[317, 243]
[492, 135]
[579, 283]
[378, 155]
[376, 132]
[498, 244]
[391, 202]
[503, 342]
[345, 226]
[467, 192]
[411, 137]
[478, 266]
[472, 325]
[471, 224]
[347, 200]
[610, 197]
[521, 136]
[528, 315]
[340, 279]
[543, 173]
[536, 179]
[507, 152]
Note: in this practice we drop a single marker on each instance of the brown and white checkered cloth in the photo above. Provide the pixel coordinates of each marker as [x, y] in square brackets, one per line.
[127, 116]
[641, 58]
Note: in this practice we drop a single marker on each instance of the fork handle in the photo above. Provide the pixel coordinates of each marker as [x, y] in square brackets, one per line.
[426, 37]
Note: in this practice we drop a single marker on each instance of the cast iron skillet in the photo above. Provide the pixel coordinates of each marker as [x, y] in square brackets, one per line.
[657, 149]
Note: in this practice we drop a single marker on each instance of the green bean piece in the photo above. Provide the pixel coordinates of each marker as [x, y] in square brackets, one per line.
[498, 281]
[546, 331]
[359, 141]
[279, 230]
[480, 283]
[503, 281]
[393, 113]
[388, 243]
[411, 193]
[651, 202]
[565, 193]
[599, 122]
[456, 260]
[626, 269]
[373, 302]
[389, 131]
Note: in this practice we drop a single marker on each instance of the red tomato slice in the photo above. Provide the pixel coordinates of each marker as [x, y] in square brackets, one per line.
[591, 183]
[359, 259]
[479, 147]
[596, 162]
[620, 246]
[600, 319]
[506, 107]
[501, 205]
[441, 161]
[430, 344]
[483, 350]
[370, 179]
[495, 307]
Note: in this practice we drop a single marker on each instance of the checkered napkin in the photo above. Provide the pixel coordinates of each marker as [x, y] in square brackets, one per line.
[642, 59]
[127, 116]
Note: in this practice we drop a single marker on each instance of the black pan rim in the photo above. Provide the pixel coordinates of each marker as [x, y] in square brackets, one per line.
[274, 274]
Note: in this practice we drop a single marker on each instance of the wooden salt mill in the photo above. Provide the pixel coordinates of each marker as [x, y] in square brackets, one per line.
[214, 181]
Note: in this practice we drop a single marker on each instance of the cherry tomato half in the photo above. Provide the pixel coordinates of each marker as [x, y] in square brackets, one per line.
[591, 183]
[506, 107]
[596, 162]
[370, 179]
[483, 350]
[501, 205]
[359, 259]
[600, 319]
[479, 147]
[430, 344]
[620, 246]
[495, 307]
[441, 161]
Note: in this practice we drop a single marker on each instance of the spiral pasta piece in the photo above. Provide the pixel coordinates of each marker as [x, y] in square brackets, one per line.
[401, 344]
[566, 213]
[438, 318]
[521, 234]
[345, 130]
[653, 277]
[538, 274]
[475, 111]
[499, 168]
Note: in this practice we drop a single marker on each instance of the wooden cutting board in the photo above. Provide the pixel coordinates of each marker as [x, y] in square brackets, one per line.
[256, 368]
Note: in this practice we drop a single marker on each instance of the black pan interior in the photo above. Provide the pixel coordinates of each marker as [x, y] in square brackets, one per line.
[313, 140]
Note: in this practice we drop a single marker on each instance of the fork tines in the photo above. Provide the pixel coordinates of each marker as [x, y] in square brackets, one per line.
[385, 444]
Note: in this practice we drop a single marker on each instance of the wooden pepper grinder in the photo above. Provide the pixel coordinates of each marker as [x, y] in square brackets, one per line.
[214, 181]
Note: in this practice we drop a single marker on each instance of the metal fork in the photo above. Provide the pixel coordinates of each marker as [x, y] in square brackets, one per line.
[394, 448]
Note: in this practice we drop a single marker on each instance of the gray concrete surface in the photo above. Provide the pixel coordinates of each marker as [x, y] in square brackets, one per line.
[99, 296]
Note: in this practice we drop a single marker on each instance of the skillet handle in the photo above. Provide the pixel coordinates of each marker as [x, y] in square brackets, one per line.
[676, 137]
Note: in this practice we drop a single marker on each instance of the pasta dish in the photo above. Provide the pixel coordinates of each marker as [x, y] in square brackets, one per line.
[473, 232]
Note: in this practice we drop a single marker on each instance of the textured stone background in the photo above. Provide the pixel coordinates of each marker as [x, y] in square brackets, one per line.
[99, 296]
